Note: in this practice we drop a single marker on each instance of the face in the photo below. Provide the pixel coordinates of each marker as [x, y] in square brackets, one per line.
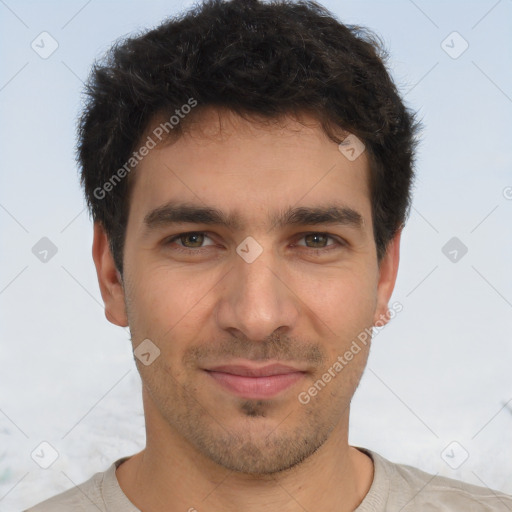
[283, 280]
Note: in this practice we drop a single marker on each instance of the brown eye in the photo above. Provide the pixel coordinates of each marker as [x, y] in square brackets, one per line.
[196, 239]
[189, 242]
[319, 241]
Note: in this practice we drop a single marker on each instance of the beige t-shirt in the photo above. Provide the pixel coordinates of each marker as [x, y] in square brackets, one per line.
[395, 487]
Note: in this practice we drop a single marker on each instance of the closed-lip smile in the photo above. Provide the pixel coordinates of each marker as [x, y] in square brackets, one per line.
[257, 382]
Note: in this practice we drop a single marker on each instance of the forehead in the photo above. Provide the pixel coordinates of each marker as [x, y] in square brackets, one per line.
[245, 168]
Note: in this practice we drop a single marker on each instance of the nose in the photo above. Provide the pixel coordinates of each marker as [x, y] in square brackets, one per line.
[256, 299]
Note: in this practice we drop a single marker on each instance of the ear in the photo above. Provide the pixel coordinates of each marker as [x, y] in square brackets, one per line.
[388, 270]
[109, 278]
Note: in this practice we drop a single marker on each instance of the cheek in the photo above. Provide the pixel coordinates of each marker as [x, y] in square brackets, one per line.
[164, 302]
[347, 308]
[342, 297]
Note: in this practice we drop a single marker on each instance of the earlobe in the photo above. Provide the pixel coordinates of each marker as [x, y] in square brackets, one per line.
[388, 270]
[109, 278]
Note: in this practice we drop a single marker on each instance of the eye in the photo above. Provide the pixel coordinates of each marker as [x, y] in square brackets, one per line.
[320, 239]
[192, 242]
[195, 237]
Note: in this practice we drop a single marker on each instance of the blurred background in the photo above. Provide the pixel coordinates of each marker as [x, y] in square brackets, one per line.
[437, 392]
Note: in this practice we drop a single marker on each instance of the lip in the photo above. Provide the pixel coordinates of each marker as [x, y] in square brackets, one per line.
[245, 370]
[253, 382]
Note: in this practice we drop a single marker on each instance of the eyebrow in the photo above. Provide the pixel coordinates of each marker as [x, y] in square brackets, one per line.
[187, 213]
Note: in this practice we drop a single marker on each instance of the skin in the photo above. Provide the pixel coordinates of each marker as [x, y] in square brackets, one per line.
[207, 448]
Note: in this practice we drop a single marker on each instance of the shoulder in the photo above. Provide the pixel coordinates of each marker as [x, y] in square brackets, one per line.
[81, 498]
[435, 491]
[412, 489]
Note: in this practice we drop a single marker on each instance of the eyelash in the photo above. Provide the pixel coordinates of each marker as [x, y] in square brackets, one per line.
[338, 242]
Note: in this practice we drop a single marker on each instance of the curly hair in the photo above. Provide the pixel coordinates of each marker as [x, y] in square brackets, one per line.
[262, 59]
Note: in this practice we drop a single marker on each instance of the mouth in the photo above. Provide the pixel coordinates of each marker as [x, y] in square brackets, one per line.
[249, 381]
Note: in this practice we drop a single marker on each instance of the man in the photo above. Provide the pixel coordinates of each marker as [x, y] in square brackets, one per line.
[248, 167]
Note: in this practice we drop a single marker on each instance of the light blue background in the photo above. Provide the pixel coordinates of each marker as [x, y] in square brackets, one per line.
[439, 372]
